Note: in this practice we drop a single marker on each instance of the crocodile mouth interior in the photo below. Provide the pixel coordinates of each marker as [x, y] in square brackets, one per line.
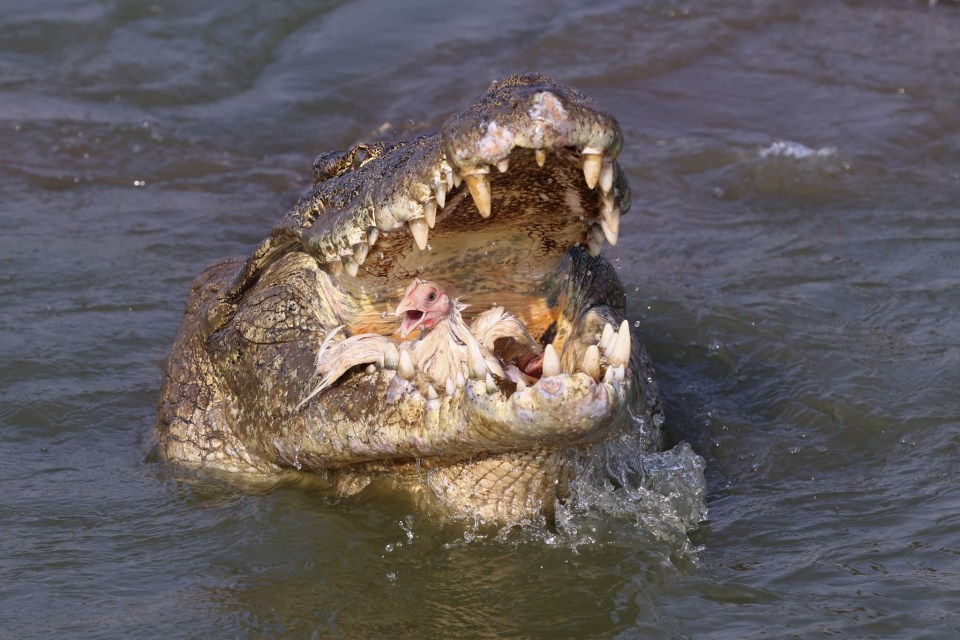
[496, 238]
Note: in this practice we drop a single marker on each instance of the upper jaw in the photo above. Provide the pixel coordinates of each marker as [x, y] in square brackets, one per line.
[396, 209]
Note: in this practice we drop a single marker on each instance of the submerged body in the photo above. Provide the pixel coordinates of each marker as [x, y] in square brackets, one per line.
[509, 205]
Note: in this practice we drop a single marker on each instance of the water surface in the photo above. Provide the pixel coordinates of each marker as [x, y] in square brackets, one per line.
[792, 259]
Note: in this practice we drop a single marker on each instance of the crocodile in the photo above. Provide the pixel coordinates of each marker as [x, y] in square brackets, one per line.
[509, 204]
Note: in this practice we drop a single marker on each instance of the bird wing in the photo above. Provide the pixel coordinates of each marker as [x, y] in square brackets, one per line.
[336, 358]
[497, 323]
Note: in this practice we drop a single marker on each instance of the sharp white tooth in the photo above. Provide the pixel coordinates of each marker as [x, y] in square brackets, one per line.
[372, 234]
[541, 156]
[454, 179]
[479, 184]
[618, 373]
[611, 213]
[460, 380]
[371, 368]
[350, 265]
[405, 366]
[606, 176]
[551, 362]
[420, 231]
[619, 353]
[391, 356]
[440, 193]
[503, 165]
[608, 377]
[592, 163]
[430, 212]
[521, 385]
[475, 361]
[491, 385]
[591, 362]
[607, 337]
[432, 393]
[451, 387]
[608, 233]
[360, 251]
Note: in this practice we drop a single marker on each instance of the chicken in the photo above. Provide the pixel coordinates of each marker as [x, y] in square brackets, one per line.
[448, 352]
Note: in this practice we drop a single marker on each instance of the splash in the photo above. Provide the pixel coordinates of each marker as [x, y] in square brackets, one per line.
[788, 149]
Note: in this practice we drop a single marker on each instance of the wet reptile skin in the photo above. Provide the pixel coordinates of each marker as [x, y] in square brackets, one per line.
[245, 356]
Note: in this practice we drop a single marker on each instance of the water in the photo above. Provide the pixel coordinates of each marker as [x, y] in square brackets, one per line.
[793, 253]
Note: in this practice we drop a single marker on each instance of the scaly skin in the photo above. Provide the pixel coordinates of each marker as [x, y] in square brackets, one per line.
[524, 236]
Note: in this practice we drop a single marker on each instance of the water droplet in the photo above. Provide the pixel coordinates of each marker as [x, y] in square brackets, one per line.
[636, 288]
[383, 315]
[636, 323]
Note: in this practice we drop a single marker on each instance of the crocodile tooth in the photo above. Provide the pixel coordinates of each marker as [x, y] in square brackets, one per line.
[432, 393]
[335, 268]
[475, 361]
[405, 366]
[491, 384]
[371, 368]
[541, 156]
[479, 184]
[592, 163]
[608, 376]
[350, 265]
[420, 231]
[611, 213]
[391, 356]
[360, 251]
[591, 362]
[451, 388]
[454, 180]
[460, 380]
[440, 193]
[551, 362]
[619, 373]
[503, 165]
[619, 353]
[606, 176]
[521, 385]
[372, 235]
[430, 212]
[608, 233]
[606, 339]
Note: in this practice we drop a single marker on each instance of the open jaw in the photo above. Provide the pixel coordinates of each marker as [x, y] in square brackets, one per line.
[509, 205]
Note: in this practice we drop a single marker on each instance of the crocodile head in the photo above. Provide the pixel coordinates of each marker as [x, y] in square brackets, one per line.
[508, 205]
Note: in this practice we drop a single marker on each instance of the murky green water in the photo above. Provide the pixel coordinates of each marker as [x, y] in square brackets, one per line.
[792, 256]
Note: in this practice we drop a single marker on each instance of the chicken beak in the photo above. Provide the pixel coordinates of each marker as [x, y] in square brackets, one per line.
[412, 316]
